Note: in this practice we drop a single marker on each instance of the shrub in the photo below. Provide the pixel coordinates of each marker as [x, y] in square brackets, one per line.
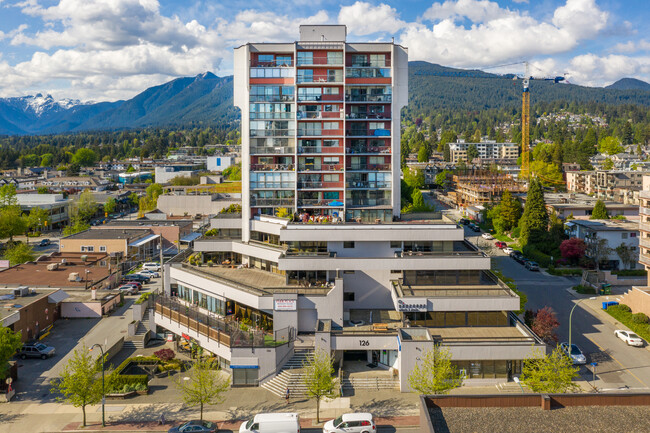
[640, 318]
[630, 273]
[623, 314]
[584, 290]
[562, 272]
[165, 354]
[624, 308]
[212, 232]
[143, 297]
[533, 253]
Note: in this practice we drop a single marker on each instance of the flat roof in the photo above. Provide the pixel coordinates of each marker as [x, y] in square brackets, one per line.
[10, 306]
[36, 275]
[144, 222]
[629, 419]
[607, 225]
[102, 233]
[482, 333]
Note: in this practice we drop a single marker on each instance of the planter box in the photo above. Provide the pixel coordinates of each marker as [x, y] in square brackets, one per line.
[122, 396]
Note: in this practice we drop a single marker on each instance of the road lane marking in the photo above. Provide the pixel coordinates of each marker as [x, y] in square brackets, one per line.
[619, 362]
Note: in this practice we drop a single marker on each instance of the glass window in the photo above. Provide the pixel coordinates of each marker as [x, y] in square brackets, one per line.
[348, 244]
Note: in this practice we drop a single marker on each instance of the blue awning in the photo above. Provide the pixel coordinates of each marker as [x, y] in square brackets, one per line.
[144, 240]
[191, 237]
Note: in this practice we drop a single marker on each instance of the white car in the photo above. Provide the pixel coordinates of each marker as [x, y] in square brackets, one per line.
[128, 289]
[508, 250]
[151, 266]
[576, 354]
[150, 274]
[629, 337]
[351, 423]
[487, 236]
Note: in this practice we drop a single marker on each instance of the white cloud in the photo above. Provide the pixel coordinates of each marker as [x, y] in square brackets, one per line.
[593, 70]
[520, 1]
[362, 18]
[631, 46]
[498, 35]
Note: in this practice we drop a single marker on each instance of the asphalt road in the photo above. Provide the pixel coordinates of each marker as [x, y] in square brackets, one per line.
[619, 366]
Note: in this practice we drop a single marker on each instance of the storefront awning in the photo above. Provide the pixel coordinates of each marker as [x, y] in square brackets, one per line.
[144, 240]
[191, 237]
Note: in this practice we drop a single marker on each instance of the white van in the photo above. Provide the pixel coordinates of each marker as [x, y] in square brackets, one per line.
[272, 423]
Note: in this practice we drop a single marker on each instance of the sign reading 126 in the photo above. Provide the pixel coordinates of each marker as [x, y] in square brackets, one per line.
[419, 305]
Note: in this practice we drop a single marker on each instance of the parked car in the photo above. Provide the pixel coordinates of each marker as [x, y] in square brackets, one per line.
[474, 227]
[487, 236]
[131, 283]
[518, 257]
[44, 242]
[150, 274]
[500, 244]
[128, 289]
[195, 426]
[508, 250]
[38, 350]
[463, 221]
[629, 337]
[575, 354]
[351, 422]
[151, 266]
[272, 423]
[532, 266]
[137, 277]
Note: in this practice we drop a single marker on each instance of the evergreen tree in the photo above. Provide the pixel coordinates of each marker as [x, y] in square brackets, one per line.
[509, 211]
[446, 153]
[472, 152]
[534, 221]
[600, 211]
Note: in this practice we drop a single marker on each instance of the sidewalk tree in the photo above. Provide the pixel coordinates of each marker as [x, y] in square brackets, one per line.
[77, 224]
[534, 221]
[19, 253]
[10, 341]
[544, 325]
[38, 218]
[78, 383]
[86, 205]
[600, 211]
[434, 373]
[552, 373]
[110, 205]
[319, 378]
[203, 386]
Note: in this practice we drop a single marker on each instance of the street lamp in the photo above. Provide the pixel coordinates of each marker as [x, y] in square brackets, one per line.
[103, 389]
[571, 316]
[518, 382]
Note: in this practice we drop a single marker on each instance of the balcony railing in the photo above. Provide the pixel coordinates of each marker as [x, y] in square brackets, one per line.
[368, 149]
[367, 116]
[271, 98]
[282, 115]
[226, 332]
[369, 98]
[272, 167]
[277, 150]
[272, 132]
[272, 185]
[322, 167]
[271, 201]
[368, 133]
[319, 185]
[368, 184]
[272, 64]
[320, 115]
[319, 132]
[311, 79]
[317, 202]
[315, 149]
[320, 60]
[369, 202]
[373, 64]
[367, 72]
[369, 167]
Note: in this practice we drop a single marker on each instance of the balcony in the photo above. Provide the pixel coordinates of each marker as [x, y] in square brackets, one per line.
[319, 185]
[315, 202]
[317, 149]
[369, 98]
[272, 132]
[368, 133]
[368, 149]
[281, 115]
[338, 79]
[308, 115]
[367, 202]
[225, 332]
[367, 116]
[272, 202]
[272, 64]
[321, 61]
[273, 150]
[320, 133]
[322, 167]
[372, 64]
[368, 167]
[271, 98]
[272, 167]
[272, 185]
[368, 184]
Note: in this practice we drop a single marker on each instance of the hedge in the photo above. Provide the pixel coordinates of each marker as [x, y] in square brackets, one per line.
[630, 273]
[544, 260]
[117, 381]
[623, 314]
[143, 297]
[565, 271]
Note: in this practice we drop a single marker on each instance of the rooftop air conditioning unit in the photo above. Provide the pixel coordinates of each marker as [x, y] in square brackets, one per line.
[74, 276]
[63, 261]
[52, 266]
[21, 291]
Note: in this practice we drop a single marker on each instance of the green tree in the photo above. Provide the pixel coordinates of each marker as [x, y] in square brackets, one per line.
[445, 138]
[610, 146]
[10, 341]
[534, 220]
[130, 169]
[8, 195]
[434, 372]
[509, 210]
[86, 206]
[423, 154]
[37, 218]
[319, 378]
[47, 159]
[600, 211]
[110, 205]
[608, 164]
[205, 386]
[552, 373]
[19, 253]
[134, 199]
[43, 190]
[472, 152]
[233, 172]
[77, 224]
[446, 152]
[441, 178]
[626, 255]
[414, 178]
[184, 180]
[84, 157]
[78, 383]
[547, 173]
[154, 191]
[12, 222]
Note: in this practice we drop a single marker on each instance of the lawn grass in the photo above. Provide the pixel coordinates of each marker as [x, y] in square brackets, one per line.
[502, 237]
[226, 187]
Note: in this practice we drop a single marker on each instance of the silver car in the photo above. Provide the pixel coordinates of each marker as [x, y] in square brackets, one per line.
[351, 423]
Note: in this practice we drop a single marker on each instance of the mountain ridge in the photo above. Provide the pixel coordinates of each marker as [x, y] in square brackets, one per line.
[629, 84]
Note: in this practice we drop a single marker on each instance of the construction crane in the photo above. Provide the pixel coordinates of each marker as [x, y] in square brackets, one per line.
[525, 116]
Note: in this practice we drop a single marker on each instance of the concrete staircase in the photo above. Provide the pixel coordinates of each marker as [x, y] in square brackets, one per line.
[290, 376]
[369, 383]
[139, 340]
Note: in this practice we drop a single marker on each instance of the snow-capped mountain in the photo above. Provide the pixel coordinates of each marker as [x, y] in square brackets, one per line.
[40, 104]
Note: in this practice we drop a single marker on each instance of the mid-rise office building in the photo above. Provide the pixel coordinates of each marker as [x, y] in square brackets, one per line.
[320, 137]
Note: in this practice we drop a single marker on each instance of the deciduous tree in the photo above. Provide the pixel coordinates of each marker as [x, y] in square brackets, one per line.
[545, 323]
[78, 383]
[204, 385]
[110, 205]
[573, 249]
[19, 253]
[552, 373]
[10, 341]
[319, 378]
[434, 372]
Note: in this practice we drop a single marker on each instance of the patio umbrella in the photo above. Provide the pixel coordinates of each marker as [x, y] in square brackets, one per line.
[335, 203]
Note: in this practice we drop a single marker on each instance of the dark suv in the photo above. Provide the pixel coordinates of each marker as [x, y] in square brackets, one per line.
[37, 350]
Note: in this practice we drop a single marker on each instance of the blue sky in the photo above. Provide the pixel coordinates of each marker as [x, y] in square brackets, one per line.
[113, 49]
